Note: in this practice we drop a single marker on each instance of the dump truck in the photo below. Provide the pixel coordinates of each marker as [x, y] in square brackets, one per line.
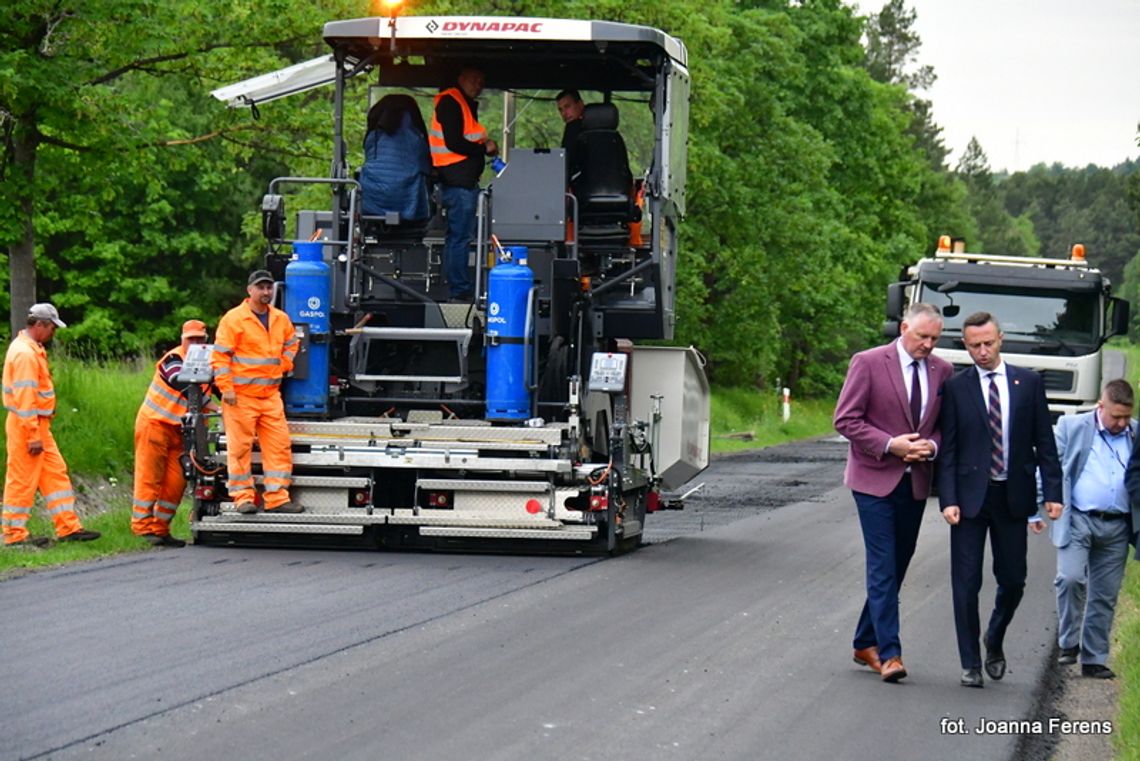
[533, 418]
[1055, 314]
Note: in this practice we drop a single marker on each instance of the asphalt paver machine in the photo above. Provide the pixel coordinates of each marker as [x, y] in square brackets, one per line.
[531, 419]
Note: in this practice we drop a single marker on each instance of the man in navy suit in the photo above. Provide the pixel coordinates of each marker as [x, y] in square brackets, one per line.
[996, 434]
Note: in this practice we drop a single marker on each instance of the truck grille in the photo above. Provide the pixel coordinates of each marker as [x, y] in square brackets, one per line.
[1058, 380]
[1055, 380]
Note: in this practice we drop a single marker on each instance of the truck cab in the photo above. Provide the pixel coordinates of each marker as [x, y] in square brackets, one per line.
[1055, 315]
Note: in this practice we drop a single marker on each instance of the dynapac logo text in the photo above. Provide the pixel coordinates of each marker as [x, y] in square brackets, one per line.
[492, 26]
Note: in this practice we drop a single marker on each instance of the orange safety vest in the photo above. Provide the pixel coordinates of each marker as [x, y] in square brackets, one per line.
[163, 402]
[28, 390]
[473, 131]
[249, 360]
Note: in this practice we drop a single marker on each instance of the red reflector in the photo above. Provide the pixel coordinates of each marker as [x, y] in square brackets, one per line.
[438, 499]
[652, 501]
[533, 506]
[360, 497]
[203, 492]
[598, 503]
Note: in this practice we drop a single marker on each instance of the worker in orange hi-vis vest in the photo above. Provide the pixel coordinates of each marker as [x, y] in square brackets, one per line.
[253, 350]
[159, 481]
[459, 146]
[34, 461]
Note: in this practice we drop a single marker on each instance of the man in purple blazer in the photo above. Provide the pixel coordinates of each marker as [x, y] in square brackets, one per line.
[888, 411]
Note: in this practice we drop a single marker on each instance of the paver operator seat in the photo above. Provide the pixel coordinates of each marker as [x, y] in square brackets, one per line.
[600, 178]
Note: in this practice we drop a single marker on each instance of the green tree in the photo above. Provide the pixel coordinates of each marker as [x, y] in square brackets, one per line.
[119, 173]
[998, 232]
[892, 47]
[1088, 205]
[892, 50]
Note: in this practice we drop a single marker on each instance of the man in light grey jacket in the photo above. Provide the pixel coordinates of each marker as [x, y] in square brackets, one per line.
[1093, 532]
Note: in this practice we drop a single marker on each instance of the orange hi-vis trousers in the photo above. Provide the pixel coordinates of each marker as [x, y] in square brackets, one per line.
[159, 482]
[46, 472]
[265, 419]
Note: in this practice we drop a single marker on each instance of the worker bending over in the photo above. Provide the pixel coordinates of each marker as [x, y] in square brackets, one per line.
[159, 481]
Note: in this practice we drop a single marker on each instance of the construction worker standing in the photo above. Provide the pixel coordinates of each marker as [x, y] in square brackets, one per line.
[459, 146]
[253, 350]
[159, 481]
[34, 461]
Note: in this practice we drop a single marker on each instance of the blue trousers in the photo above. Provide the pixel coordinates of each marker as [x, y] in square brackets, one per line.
[1090, 569]
[459, 203]
[890, 532]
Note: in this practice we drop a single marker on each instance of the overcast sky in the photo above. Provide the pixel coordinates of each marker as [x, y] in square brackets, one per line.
[1034, 80]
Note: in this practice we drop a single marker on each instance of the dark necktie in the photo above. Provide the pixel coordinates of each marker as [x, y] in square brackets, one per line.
[997, 464]
[915, 395]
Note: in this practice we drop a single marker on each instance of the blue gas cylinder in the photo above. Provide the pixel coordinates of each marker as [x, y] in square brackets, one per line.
[508, 356]
[308, 292]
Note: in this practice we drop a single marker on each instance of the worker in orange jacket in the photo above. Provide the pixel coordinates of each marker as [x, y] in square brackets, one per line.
[159, 481]
[34, 461]
[459, 146]
[253, 350]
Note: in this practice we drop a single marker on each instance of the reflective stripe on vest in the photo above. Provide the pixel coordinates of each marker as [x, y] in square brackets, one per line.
[473, 131]
[26, 368]
[162, 402]
[249, 359]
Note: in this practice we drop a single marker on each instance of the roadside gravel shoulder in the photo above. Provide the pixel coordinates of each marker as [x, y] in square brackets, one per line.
[1077, 698]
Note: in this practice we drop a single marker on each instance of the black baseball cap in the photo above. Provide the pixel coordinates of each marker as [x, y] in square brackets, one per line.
[258, 276]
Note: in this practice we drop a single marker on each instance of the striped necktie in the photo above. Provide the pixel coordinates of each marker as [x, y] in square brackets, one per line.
[997, 460]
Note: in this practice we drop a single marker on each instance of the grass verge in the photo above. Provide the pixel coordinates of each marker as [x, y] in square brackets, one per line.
[1126, 632]
[95, 410]
[113, 522]
[1126, 663]
[744, 418]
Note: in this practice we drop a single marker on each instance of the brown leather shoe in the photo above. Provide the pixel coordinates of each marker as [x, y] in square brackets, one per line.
[869, 657]
[893, 670]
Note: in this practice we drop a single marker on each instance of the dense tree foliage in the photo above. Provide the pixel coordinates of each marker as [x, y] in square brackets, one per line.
[123, 181]
[998, 232]
[815, 170]
[1088, 206]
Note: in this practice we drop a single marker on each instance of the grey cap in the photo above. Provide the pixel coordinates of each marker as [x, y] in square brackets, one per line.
[259, 276]
[46, 312]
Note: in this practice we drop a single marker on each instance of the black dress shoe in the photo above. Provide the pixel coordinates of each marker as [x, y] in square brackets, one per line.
[973, 678]
[1068, 656]
[1096, 671]
[995, 663]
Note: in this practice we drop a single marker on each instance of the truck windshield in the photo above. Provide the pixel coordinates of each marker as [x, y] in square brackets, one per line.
[1034, 322]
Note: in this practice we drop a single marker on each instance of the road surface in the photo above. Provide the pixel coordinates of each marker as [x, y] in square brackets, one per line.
[727, 637]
